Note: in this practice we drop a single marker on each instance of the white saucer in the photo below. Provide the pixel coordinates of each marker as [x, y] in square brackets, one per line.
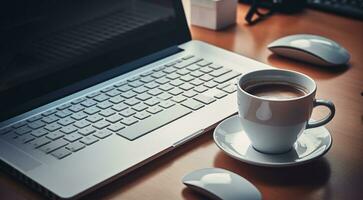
[230, 137]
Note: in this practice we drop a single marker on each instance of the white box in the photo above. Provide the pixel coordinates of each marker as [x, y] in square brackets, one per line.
[213, 14]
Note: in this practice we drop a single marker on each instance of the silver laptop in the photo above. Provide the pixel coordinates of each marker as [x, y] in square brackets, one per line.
[91, 90]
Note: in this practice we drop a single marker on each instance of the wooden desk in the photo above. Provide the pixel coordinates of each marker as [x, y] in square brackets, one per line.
[338, 175]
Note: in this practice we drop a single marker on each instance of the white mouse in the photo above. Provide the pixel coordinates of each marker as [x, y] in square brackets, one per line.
[217, 183]
[312, 49]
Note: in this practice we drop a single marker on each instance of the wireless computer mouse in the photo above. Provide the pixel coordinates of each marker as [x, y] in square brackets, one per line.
[312, 49]
[217, 183]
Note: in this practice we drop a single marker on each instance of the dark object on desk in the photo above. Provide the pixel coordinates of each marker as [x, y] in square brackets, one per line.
[283, 6]
[349, 8]
[221, 184]
[312, 49]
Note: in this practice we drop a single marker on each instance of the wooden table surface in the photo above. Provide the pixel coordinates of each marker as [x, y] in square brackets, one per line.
[337, 175]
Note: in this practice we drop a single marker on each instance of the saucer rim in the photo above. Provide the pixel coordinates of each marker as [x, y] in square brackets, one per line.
[264, 164]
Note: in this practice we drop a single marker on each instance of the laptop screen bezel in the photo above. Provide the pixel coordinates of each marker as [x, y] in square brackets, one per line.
[21, 101]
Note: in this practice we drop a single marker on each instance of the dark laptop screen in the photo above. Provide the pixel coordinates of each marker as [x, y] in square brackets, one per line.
[46, 45]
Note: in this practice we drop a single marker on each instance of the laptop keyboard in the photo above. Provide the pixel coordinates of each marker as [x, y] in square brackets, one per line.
[129, 109]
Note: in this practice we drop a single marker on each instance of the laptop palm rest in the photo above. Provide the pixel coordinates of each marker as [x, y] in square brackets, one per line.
[17, 158]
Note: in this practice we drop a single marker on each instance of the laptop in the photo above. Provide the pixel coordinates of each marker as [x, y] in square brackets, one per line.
[91, 90]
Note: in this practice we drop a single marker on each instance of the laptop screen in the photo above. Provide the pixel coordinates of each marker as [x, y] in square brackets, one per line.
[46, 45]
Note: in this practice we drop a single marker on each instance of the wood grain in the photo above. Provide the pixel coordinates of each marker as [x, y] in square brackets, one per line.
[337, 175]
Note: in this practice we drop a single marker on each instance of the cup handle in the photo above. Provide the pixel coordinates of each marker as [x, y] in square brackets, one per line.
[326, 119]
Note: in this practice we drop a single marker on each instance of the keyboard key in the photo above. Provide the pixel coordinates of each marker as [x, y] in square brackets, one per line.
[53, 145]
[220, 95]
[86, 131]
[127, 112]
[187, 78]
[88, 140]
[166, 104]
[124, 88]
[146, 79]
[178, 98]
[143, 97]
[151, 102]
[121, 83]
[107, 112]
[153, 122]
[164, 96]
[220, 72]
[39, 132]
[136, 84]
[162, 80]
[99, 98]
[50, 119]
[64, 106]
[158, 74]
[187, 57]
[192, 104]
[204, 63]
[26, 138]
[193, 67]
[114, 118]
[92, 110]
[166, 87]
[142, 115]
[34, 118]
[102, 134]
[176, 82]
[183, 72]
[210, 84]
[94, 118]
[140, 107]
[89, 103]
[101, 124]
[36, 124]
[169, 70]
[133, 79]
[154, 109]
[72, 137]
[176, 91]
[204, 99]
[128, 94]
[93, 94]
[39, 142]
[215, 66]
[159, 68]
[119, 107]
[55, 135]
[226, 77]
[129, 121]
[196, 82]
[200, 89]
[82, 124]
[76, 146]
[206, 70]
[49, 112]
[173, 76]
[68, 129]
[79, 116]
[23, 130]
[197, 73]
[61, 153]
[230, 89]
[106, 89]
[116, 100]
[206, 77]
[190, 93]
[140, 90]
[5, 130]
[113, 93]
[104, 105]
[76, 108]
[151, 85]
[155, 92]
[66, 121]
[116, 127]
[52, 127]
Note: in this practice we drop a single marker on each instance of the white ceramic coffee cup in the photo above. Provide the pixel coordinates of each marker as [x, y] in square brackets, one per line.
[274, 125]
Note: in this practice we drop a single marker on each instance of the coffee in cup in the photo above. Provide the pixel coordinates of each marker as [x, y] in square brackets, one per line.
[275, 107]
